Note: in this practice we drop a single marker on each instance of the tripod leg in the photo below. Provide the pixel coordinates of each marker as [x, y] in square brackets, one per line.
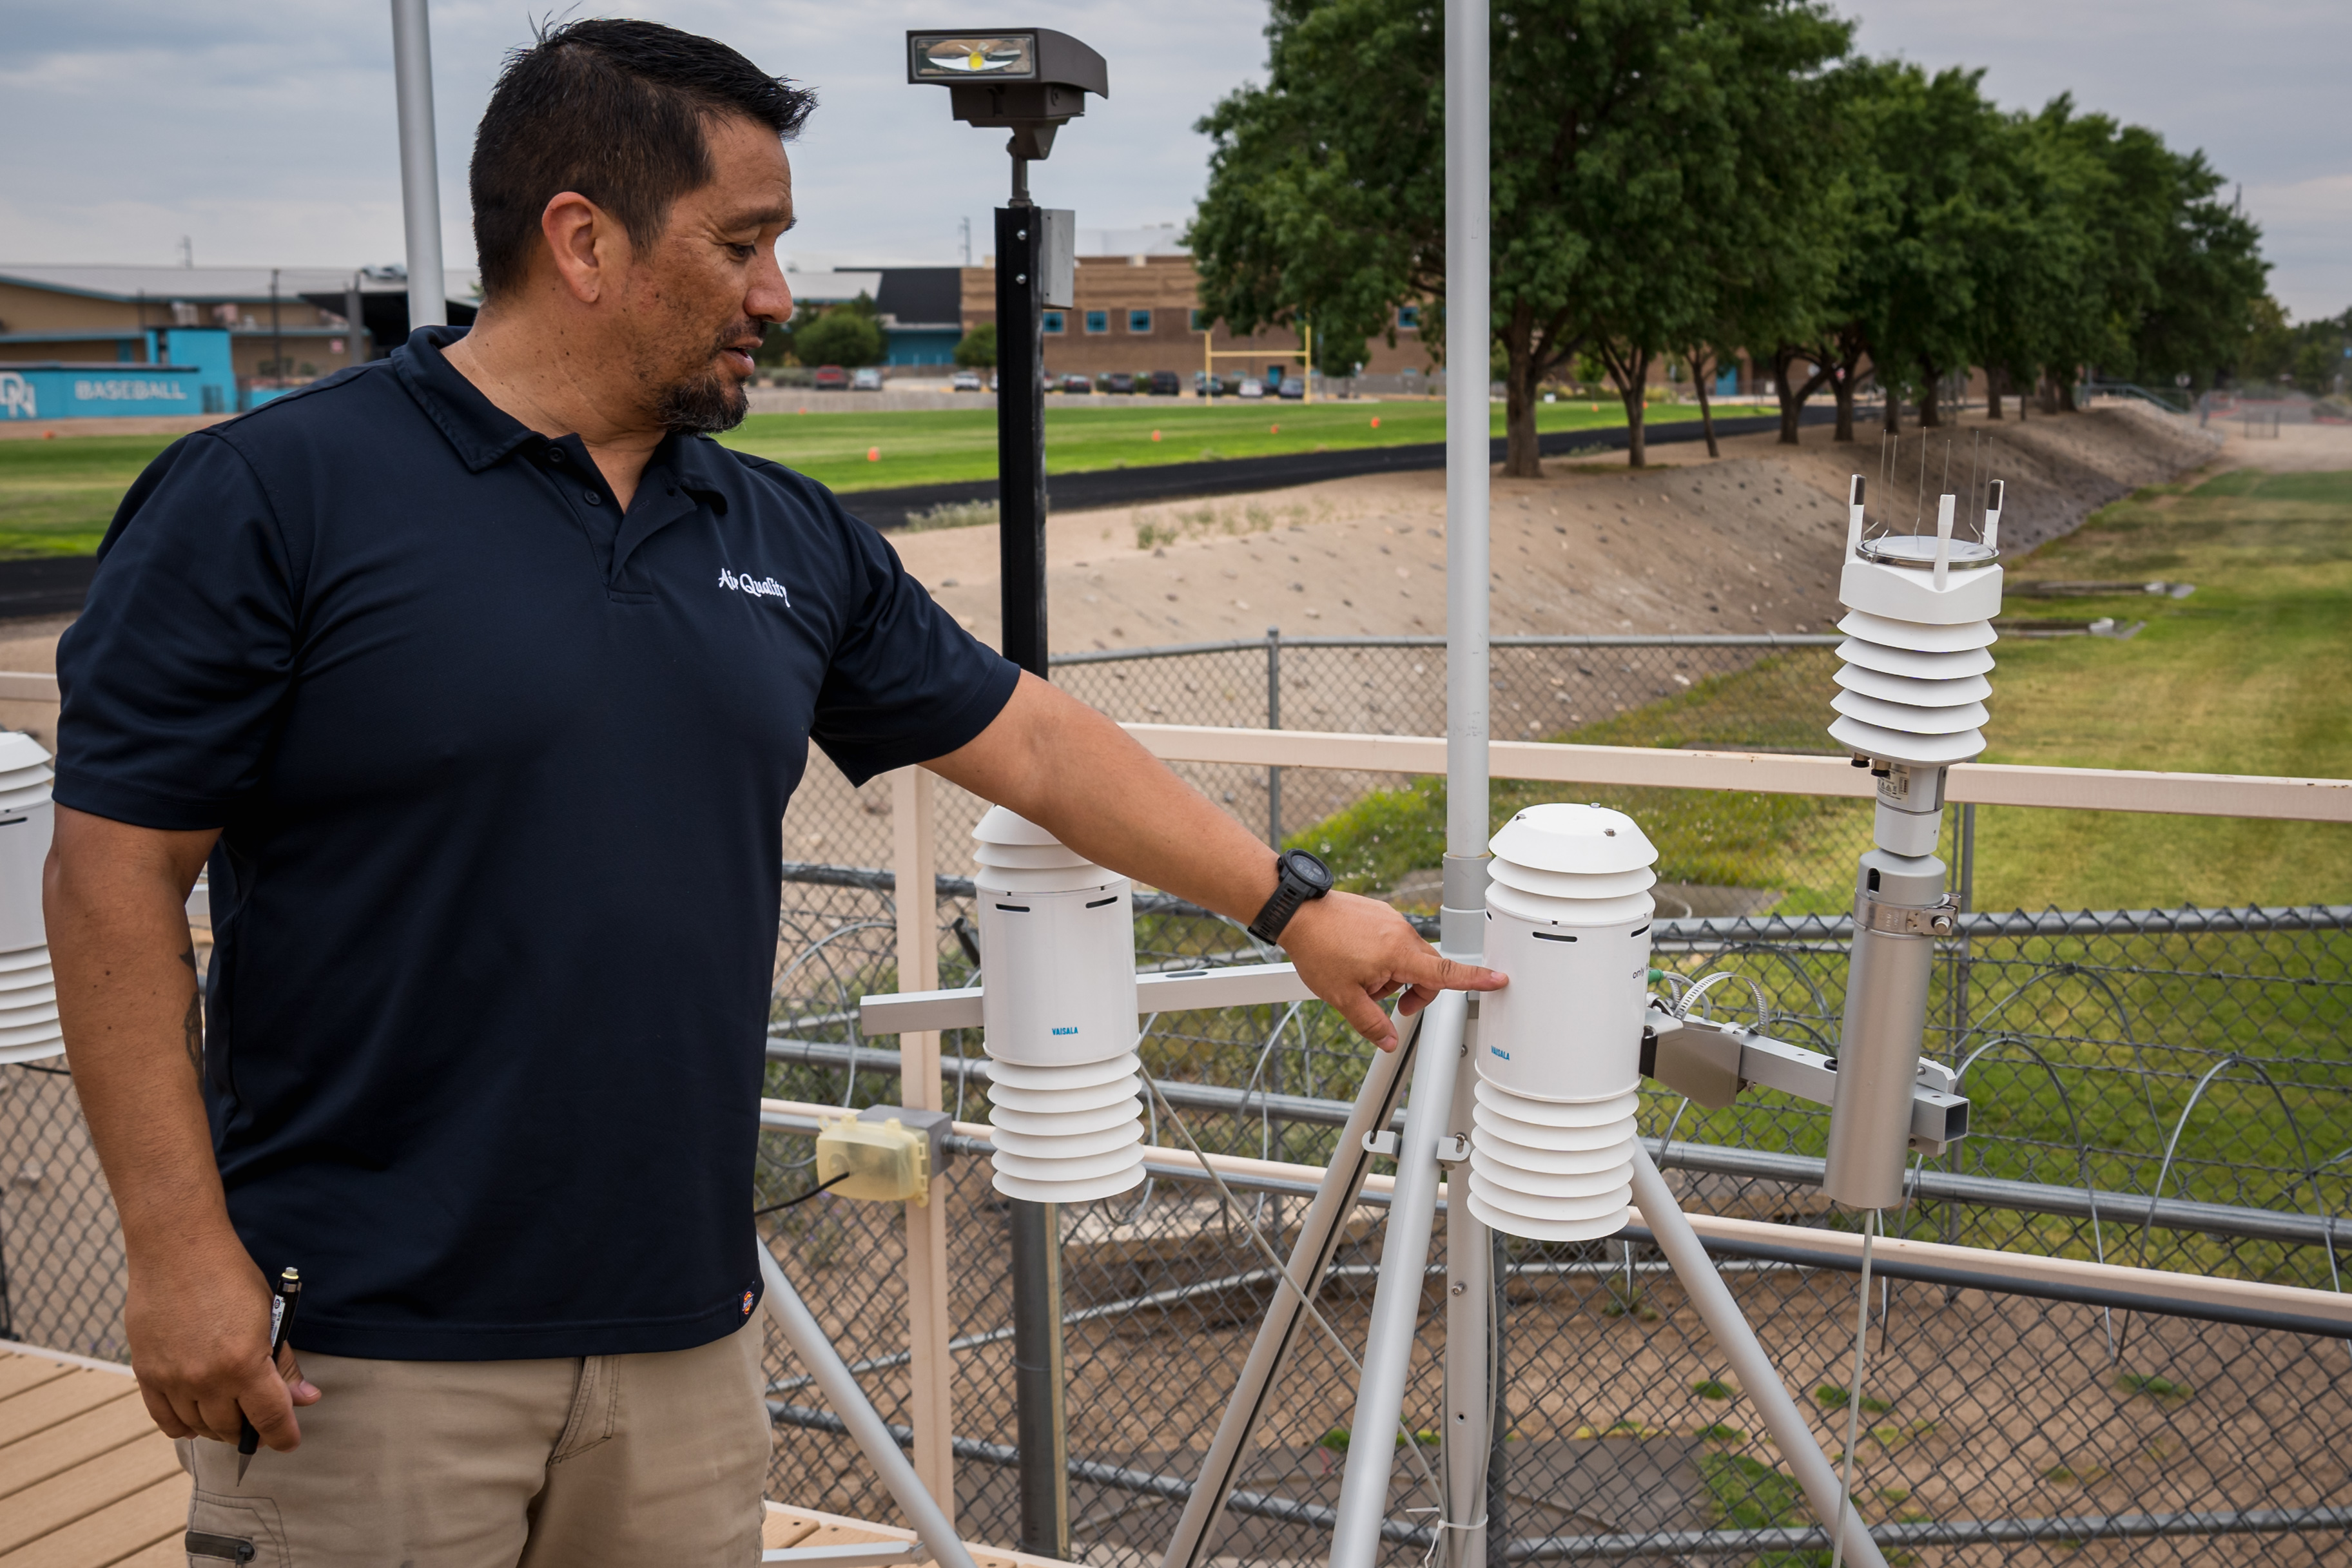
[1286, 1316]
[1396, 1305]
[1757, 1377]
[792, 1317]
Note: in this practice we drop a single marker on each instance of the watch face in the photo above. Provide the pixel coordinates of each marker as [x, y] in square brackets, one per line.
[1308, 870]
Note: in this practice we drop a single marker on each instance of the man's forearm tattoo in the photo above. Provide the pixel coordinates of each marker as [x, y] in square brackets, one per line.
[192, 1026]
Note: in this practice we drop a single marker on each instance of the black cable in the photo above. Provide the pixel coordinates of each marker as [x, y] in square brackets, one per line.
[804, 1198]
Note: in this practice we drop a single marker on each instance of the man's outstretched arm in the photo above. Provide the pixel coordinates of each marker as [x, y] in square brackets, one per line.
[1081, 778]
[116, 901]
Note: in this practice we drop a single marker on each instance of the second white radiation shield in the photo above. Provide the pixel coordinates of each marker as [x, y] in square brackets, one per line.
[1558, 1050]
[1058, 1013]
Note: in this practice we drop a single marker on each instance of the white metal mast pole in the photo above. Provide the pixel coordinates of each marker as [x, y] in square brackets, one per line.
[1469, 1284]
[420, 168]
[1431, 1113]
[1468, 448]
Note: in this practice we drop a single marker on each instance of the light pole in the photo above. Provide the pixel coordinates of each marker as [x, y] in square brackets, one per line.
[1029, 81]
[420, 168]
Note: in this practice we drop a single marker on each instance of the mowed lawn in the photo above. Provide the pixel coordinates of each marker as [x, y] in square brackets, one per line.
[2252, 674]
[56, 497]
[875, 451]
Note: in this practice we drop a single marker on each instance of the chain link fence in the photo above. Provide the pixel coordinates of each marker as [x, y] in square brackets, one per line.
[2151, 1086]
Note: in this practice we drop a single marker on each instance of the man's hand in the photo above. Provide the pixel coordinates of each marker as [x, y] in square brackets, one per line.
[200, 1346]
[1353, 952]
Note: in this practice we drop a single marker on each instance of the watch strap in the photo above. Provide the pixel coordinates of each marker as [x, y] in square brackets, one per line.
[1290, 891]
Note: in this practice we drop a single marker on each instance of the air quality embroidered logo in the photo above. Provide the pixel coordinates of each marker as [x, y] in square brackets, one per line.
[763, 587]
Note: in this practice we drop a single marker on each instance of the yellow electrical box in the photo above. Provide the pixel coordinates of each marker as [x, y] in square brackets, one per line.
[883, 1161]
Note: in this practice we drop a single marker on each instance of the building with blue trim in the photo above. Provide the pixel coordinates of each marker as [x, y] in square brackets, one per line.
[92, 342]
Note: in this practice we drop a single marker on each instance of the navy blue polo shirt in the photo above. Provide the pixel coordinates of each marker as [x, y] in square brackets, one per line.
[500, 772]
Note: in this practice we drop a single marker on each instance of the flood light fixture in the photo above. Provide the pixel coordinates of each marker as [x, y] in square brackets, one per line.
[1028, 81]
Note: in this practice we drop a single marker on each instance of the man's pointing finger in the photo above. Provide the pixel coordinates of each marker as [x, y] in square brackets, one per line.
[1444, 974]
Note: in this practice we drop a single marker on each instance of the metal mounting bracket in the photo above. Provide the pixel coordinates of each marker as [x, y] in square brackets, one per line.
[1939, 919]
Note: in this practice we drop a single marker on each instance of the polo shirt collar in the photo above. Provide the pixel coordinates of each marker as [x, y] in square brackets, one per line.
[699, 465]
[484, 434]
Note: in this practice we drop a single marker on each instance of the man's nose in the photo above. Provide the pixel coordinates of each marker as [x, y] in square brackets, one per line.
[769, 297]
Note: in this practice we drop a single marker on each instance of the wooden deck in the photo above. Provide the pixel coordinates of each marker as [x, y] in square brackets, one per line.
[86, 1481]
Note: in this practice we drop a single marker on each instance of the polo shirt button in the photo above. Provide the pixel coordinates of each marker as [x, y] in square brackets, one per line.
[594, 499]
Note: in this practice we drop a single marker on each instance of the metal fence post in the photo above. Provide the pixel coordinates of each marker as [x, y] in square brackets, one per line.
[1962, 975]
[1274, 721]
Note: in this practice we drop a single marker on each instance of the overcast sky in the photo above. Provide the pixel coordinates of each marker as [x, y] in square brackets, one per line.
[262, 129]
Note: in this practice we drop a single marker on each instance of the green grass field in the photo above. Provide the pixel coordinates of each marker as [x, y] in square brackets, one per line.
[2247, 675]
[56, 497]
[1086, 434]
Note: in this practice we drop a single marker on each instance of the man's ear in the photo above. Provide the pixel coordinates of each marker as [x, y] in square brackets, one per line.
[587, 244]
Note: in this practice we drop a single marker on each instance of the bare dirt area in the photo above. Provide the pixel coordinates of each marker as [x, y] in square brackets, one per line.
[1746, 542]
[2288, 449]
[146, 424]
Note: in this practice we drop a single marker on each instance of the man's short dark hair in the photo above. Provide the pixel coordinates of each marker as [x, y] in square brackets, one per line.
[616, 110]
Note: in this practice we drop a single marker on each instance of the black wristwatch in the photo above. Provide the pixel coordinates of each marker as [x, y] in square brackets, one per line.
[1301, 878]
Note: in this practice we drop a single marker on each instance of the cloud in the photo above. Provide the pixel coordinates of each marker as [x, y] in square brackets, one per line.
[263, 129]
[2307, 235]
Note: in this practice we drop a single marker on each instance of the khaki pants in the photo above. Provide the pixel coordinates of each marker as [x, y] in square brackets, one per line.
[609, 1459]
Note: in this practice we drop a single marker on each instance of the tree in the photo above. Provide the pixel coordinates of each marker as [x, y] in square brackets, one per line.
[1647, 188]
[1939, 186]
[842, 335]
[978, 350]
[2210, 279]
[1622, 146]
[1326, 186]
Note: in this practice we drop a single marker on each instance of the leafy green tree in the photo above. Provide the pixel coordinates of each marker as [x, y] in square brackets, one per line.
[2118, 183]
[1326, 186]
[978, 350]
[2210, 282]
[1809, 327]
[1629, 158]
[846, 334]
[1938, 204]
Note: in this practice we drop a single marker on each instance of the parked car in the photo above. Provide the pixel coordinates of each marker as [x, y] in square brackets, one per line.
[868, 379]
[1119, 381]
[1078, 384]
[964, 381]
[830, 378]
[1253, 388]
[1292, 387]
[1164, 385]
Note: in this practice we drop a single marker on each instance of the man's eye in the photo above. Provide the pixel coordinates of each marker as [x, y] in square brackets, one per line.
[741, 252]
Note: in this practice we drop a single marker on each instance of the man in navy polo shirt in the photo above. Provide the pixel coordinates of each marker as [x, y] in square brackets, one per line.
[482, 677]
